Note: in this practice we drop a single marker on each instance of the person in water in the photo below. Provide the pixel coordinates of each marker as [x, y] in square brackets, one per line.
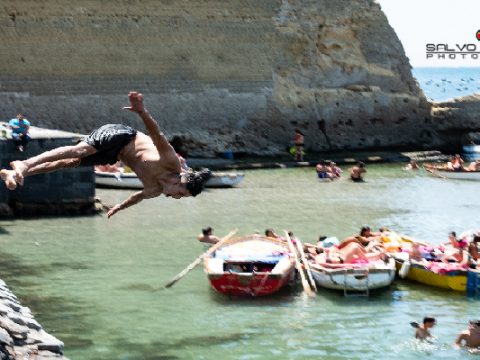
[207, 236]
[422, 332]
[152, 158]
[356, 172]
[470, 337]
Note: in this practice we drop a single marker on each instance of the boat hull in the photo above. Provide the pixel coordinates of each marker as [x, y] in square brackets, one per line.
[251, 266]
[460, 175]
[259, 284]
[454, 280]
[131, 181]
[354, 279]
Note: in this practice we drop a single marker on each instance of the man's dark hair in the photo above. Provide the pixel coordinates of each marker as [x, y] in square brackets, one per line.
[361, 164]
[196, 180]
[452, 233]
[364, 229]
[476, 238]
[428, 319]
[475, 322]
[207, 231]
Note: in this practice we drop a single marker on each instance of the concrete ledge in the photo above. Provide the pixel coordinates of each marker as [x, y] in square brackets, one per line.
[66, 192]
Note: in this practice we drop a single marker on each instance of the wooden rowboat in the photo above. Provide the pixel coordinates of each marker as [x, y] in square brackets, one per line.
[423, 272]
[253, 265]
[454, 175]
[122, 180]
[436, 274]
[355, 277]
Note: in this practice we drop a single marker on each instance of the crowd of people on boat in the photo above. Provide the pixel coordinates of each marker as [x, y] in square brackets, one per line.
[457, 164]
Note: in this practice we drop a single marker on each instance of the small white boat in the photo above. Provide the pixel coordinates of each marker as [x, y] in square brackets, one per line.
[225, 179]
[355, 277]
[130, 180]
[471, 149]
[117, 180]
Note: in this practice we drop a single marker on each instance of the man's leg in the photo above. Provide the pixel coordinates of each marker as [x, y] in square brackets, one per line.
[8, 176]
[82, 149]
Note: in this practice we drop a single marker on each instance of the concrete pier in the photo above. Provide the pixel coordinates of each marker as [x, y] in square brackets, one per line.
[66, 192]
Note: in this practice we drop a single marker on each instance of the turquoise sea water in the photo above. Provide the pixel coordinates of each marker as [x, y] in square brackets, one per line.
[440, 84]
[97, 284]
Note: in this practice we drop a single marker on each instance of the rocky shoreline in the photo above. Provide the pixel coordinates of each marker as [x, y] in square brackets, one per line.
[21, 336]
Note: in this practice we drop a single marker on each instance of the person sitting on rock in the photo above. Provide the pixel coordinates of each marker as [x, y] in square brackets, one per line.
[152, 158]
[20, 127]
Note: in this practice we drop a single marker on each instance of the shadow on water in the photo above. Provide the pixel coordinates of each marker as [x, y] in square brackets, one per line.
[48, 310]
[4, 231]
[159, 350]
[284, 296]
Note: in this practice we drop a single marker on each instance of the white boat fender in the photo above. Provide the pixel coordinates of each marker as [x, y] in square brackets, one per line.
[404, 269]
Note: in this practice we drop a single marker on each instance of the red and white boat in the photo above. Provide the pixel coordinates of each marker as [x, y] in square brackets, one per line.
[253, 265]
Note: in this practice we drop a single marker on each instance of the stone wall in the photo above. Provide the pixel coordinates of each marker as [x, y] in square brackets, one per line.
[67, 192]
[236, 75]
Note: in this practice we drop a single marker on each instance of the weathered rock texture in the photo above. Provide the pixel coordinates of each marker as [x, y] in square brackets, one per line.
[21, 336]
[237, 74]
[458, 120]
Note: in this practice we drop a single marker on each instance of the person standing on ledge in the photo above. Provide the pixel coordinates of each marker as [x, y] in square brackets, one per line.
[20, 136]
[152, 158]
[298, 143]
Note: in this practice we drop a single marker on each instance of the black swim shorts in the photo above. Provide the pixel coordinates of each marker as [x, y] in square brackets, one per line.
[109, 140]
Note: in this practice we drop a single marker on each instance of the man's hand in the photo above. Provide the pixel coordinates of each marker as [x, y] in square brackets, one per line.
[113, 210]
[136, 102]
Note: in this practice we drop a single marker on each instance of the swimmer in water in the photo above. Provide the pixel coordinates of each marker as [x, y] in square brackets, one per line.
[422, 332]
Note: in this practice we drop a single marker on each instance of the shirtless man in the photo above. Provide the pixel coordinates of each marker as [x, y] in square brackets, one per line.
[357, 171]
[470, 337]
[207, 236]
[152, 158]
[422, 331]
[474, 166]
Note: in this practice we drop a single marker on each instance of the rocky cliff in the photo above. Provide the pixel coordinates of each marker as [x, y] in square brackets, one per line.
[236, 75]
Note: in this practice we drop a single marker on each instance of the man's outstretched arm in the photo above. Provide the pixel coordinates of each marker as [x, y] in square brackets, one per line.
[158, 138]
[133, 199]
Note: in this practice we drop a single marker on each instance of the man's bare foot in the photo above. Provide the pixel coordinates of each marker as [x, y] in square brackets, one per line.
[8, 176]
[20, 169]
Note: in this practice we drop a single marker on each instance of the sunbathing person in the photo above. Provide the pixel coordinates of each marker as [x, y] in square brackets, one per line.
[152, 158]
[474, 166]
[271, 233]
[365, 237]
[349, 254]
[456, 164]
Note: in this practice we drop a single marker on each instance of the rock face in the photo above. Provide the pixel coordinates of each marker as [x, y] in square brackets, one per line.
[458, 120]
[21, 336]
[224, 75]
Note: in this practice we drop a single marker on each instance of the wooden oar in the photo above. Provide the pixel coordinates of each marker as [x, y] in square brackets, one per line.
[306, 265]
[198, 260]
[305, 284]
[433, 172]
